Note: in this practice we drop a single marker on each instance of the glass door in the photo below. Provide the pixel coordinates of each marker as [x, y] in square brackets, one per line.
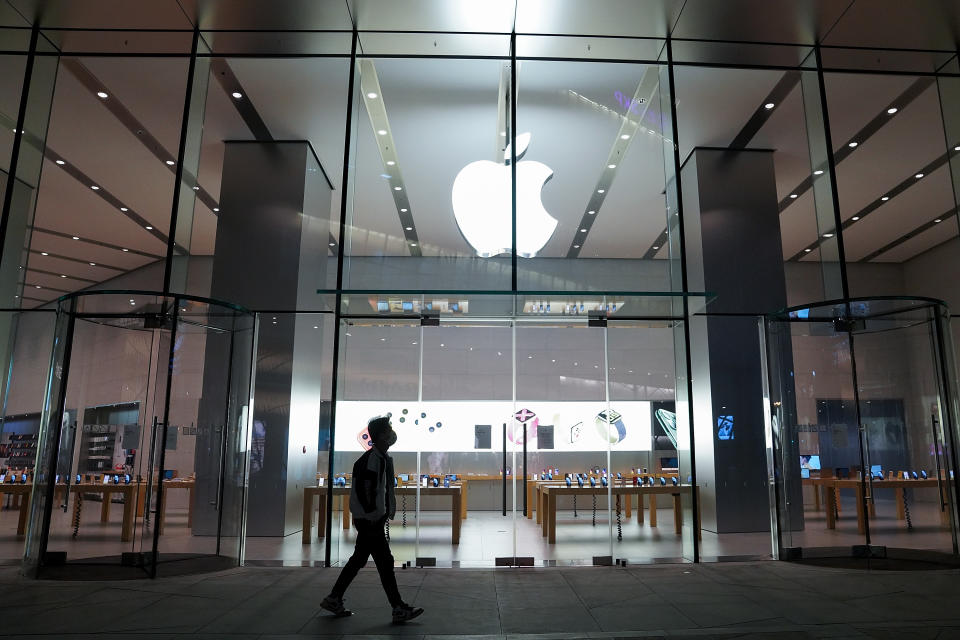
[159, 387]
[858, 413]
[908, 501]
[470, 478]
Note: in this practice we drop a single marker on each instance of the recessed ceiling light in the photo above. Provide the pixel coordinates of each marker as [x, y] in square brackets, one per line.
[601, 190]
[102, 94]
[62, 276]
[625, 136]
[333, 244]
[60, 162]
[93, 264]
[793, 195]
[852, 144]
[828, 235]
[44, 253]
[95, 187]
[38, 286]
[655, 247]
[591, 212]
[413, 244]
[938, 221]
[237, 95]
[403, 210]
[381, 132]
[576, 246]
[611, 166]
[398, 188]
[149, 228]
[125, 250]
[892, 110]
[315, 327]
[124, 209]
[371, 95]
[170, 163]
[390, 163]
[409, 228]
[769, 105]
[807, 250]
[75, 237]
[885, 198]
[196, 188]
[918, 176]
[818, 172]
[583, 230]
[855, 218]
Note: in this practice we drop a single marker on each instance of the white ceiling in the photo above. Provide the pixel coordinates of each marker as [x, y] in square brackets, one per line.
[443, 115]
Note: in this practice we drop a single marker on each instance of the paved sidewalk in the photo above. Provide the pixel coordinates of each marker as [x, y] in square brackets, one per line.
[728, 600]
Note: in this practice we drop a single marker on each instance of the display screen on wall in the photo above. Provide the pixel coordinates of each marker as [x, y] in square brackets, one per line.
[664, 421]
[481, 436]
[545, 437]
[467, 426]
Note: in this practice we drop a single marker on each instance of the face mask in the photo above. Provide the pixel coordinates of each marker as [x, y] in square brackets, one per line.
[391, 438]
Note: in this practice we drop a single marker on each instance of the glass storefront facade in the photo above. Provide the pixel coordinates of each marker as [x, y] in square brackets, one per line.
[625, 298]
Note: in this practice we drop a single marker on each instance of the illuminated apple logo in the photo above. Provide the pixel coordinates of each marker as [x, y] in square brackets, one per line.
[481, 205]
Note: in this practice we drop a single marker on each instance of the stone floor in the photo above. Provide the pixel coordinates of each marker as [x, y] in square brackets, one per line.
[722, 600]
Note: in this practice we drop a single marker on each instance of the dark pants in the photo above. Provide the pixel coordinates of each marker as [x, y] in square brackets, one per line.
[371, 541]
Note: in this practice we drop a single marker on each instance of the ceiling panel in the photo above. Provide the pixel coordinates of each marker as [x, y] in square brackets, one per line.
[269, 16]
[785, 21]
[922, 242]
[649, 19]
[433, 15]
[104, 14]
[921, 203]
[918, 24]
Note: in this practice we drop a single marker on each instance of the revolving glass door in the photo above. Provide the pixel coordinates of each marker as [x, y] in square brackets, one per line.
[143, 443]
[864, 424]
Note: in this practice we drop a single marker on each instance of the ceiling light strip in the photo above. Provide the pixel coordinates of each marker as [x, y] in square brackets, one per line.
[751, 128]
[910, 94]
[111, 199]
[224, 75]
[133, 125]
[59, 275]
[857, 218]
[940, 219]
[99, 243]
[390, 159]
[77, 260]
[646, 89]
[776, 97]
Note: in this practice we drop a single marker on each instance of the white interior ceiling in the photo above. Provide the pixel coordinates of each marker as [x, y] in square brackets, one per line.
[443, 114]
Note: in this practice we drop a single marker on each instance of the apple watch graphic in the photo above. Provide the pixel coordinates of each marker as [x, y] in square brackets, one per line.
[610, 426]
[576, 432]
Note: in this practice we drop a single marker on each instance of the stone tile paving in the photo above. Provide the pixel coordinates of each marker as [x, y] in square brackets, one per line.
[724, 600]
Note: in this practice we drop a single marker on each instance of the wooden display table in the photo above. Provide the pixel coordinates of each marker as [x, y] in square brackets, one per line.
[129, 493]
[550, 493]
[22, 490]
[178, 484]
[456, 506]
[832, 486]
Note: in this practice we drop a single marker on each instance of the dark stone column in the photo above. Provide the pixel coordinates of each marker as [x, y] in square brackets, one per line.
[732, 227]
[271, 250]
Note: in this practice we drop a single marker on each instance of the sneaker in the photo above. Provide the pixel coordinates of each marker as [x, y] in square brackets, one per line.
[335, 606]
[405, 612]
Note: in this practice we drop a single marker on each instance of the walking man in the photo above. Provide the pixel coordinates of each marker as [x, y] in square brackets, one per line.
[372, 502]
